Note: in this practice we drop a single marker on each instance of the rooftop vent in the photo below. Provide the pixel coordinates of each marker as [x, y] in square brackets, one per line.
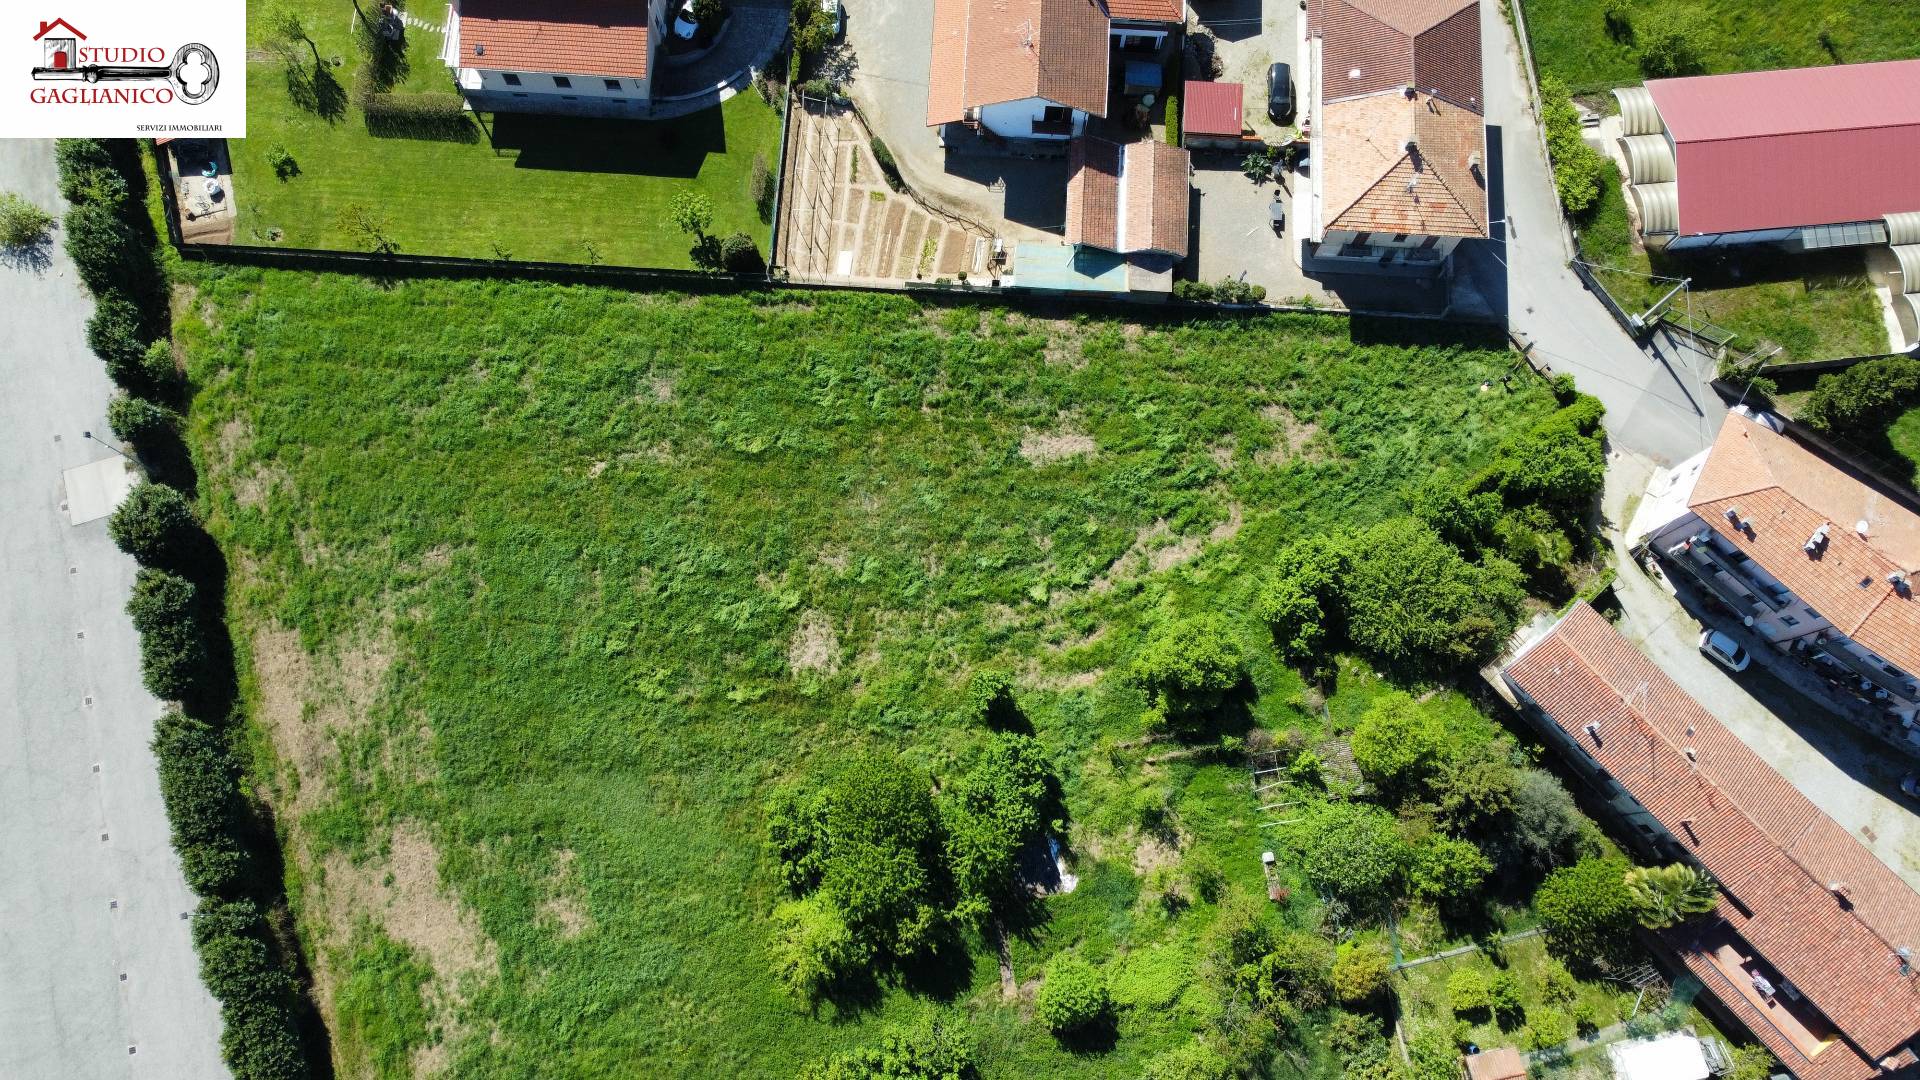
[1839, 889]
[1906, 959]
[1412, 182]
[1860, 527]
[1473, 161]
[1732, 513]
[1692, 754]
[479, 50]
[1593, 730]
[1353, 73]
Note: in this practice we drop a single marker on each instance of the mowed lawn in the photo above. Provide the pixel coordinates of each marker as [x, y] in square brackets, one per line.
[1570, 38]
[535, 188]
[540, 590]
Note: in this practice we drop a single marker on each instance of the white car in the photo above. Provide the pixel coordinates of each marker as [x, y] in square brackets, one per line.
[1724, 651]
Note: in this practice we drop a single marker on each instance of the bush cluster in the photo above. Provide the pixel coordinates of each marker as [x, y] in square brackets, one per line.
[1188, 666]
[1578, 169]
[884, 158]
[111, 248]
[259, 1039]
[1472, 547]
[1173, 120]
[882, 873]
[929, 1052]
[1225, 291]
[1072, 996]
[1865, 396]
[173, 650]
[22, 224]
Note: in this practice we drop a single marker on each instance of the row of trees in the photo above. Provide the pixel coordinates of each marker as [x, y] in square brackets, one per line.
[1579, 171]
[185, 658]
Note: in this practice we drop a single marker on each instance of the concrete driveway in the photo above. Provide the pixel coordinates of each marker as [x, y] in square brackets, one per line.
[884, 62]
[100, 976]
[1847, 775]
[1231, 237]
[1249, 36]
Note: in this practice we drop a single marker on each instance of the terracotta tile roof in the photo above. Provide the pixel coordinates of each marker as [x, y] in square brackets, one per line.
[989, 51]
[1502, 1063]
[1361, 148]
[1213, 108]
[1785, 492]
[1128, 199]
[1169, 11]
[1773, 852]
[1370, 52]
[602, 38]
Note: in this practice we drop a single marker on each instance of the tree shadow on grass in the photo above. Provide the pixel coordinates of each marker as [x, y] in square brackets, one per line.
[315, 90]
[1093, 1038]
[631, 147]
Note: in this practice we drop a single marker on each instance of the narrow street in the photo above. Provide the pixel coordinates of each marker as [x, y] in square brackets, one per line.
[101, 978]
[1658, 401]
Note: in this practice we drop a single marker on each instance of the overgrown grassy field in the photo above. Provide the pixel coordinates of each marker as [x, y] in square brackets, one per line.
[1570, 38]
[534, 188]
[540, 590]
[1815, 307]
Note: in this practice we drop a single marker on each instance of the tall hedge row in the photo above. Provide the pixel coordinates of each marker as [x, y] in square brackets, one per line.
[114, 248]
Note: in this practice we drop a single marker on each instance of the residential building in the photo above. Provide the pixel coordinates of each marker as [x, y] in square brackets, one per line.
[1809, 944]
[574, 57]
[1812, 556]
[1020, 69]
[1397, 131]
[1129, 199]
[1805, 159]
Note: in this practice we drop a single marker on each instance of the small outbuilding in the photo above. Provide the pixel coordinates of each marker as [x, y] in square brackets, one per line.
[1503, 1063]
[1678, 1056]
[1212, 115]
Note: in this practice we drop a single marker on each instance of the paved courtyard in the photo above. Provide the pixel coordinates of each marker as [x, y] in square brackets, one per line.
[1851, 777]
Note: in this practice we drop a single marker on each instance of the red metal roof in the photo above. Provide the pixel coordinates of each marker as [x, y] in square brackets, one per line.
[569, 37]
[1212, 108]
[1806, 146]
[1769, 847]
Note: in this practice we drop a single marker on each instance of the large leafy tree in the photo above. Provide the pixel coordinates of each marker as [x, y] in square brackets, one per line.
[1665, 895]
[1400, 746]
[1349, 850]
[990, 812]
[1411, 597]
[1188, 665]
[1586, 907]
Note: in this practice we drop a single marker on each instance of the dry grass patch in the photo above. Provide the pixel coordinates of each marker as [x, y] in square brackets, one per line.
[814, 647]
[1045, 448]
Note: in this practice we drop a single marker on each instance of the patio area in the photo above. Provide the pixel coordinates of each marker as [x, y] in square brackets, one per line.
[202, 179]
[1749, 978]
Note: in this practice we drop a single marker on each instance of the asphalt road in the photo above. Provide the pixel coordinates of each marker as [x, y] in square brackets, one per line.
[97, 974]
[1658, 401]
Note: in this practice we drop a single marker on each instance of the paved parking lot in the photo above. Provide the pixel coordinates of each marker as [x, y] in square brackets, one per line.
[1852, 778]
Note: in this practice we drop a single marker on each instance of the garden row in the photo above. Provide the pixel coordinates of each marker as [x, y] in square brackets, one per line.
[185, 656]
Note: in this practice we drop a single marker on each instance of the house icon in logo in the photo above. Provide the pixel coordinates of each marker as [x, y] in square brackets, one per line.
[61, 52]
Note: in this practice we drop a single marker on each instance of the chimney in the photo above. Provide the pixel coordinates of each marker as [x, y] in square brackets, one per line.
[1692, 754]
[1839, 890]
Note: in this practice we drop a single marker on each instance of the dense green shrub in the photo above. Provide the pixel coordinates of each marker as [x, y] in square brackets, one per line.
[1460, 613]
[198, 786]
[1866, 395]
[1296, 969]
[1188, 665]
[988, 814]
[116, 332]
[869, 841]
[259, 1039]
[1750, 1062]
[136, 420]
[813, 947]
[1557, 985]
[760, 186]
[157, 365]
[1349, 850]
[1674, 39]
[88, 173]
[1544, 827]
[990, 698]
[930, 1052]
[172, 646]
[884, 158]
[1189, 1061]
[1360, 969]
[1547, 1027]
[1467, 990]
[1072, 996]
[1578, 169]
[1399, 745]
[1503, 995]
[1586, 907]
[1299, 599]
[1559, 462]
[740, 255]
[1173, 120]
[153, 525]
[1197, 291]
[812, 28]
[1446, 870]
[22, 224]
[104, 249]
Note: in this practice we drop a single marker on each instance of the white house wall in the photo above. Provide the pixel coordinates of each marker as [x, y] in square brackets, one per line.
[1015, 119]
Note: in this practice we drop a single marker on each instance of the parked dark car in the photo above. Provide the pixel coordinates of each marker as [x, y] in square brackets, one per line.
[1280, 94]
